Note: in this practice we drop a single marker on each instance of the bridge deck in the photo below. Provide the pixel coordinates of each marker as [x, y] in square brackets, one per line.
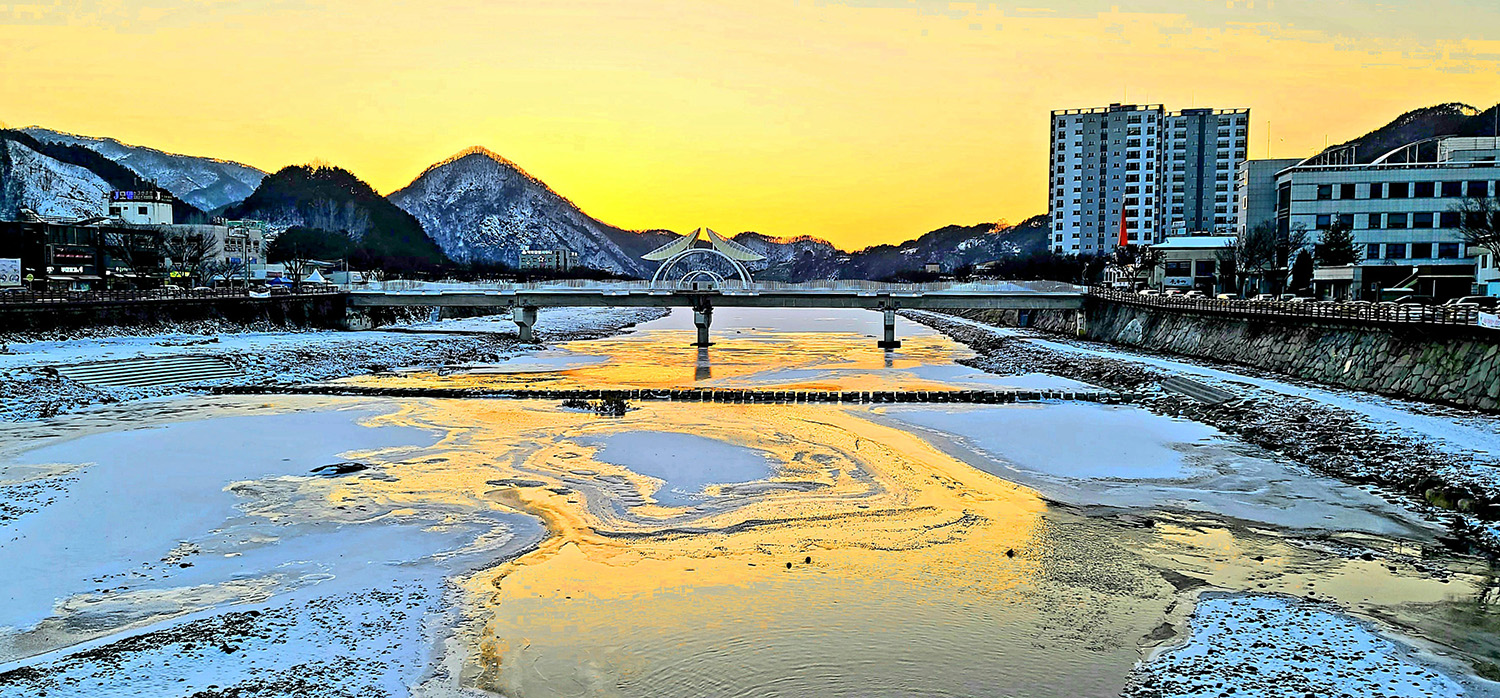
[779, 298]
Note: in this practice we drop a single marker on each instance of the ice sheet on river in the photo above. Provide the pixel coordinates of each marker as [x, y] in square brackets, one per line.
[175, 532]
[1121, 456]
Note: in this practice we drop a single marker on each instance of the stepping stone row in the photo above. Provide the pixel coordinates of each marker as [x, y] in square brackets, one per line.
[734, 396]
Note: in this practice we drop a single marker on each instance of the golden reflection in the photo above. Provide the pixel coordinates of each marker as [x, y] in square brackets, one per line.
[756, 358]
[869, 562]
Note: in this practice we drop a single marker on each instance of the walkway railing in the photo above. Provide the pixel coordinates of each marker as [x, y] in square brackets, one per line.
[1327, 310]
[17, 297]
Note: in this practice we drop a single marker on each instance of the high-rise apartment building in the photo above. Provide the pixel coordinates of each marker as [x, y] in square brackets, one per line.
[1201, 153]
[1162, 173]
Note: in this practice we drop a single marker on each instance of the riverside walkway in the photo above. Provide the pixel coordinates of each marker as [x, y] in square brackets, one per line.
[524, 300]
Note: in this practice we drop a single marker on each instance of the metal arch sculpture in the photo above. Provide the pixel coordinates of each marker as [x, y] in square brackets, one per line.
[674, 253]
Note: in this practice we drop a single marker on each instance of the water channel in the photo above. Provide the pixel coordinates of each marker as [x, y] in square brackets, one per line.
[684, 549]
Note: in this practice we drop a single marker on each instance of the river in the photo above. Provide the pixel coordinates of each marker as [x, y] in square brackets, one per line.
[364, 546]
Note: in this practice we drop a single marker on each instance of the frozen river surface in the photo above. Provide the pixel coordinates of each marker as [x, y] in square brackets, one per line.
[332, 547]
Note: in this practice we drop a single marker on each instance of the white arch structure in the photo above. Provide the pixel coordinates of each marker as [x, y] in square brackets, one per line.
[680, 250]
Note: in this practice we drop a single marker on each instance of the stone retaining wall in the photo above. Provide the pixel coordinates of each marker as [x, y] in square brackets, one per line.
[1458, 365]
[322, 311]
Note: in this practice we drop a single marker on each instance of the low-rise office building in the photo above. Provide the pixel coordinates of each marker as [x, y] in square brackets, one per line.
[547, 260]
[1402, 207]
[1191, 262]
[152, 207]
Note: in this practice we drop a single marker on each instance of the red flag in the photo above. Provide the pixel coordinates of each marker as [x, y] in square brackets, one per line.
[1124, 236]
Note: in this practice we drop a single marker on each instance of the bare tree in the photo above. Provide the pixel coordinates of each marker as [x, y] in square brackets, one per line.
[140, 250]
[1228, 266]
[1479, 224]
[1255, 250]
[192, 251]
[231, 268]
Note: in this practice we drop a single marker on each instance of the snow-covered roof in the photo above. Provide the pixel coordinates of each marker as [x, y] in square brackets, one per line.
[1196, 242]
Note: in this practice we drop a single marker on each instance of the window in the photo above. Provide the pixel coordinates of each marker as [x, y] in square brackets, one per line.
[1346, 191]
[1395, 250]
[1421, 250]
[1372, 250]
[1324, 221]
[1377, 190]
[1203, 267]
[141, 210]
[1447, 250]
[1448, 219]
[1421, 220]
[1346, 220]
[1453, 190]
[1395, 220]
[114, 210]
[1325, 192]
[1397, 190]
[1424, 190]
[1178, 268]
[1478, 189]
[1374, 222]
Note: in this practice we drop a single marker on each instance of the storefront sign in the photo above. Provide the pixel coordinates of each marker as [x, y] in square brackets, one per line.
[10, 272]
[1490, 321]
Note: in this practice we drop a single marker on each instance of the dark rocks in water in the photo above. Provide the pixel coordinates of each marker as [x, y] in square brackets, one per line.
[611, 407]
[1181, 581]
[808, 560]
[788, 565]
[1010, 553]
[606, 407]
[1161, 633]
[515, 482]
[337, 469]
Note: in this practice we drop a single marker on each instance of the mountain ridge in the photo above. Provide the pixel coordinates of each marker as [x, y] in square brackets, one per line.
[334, 199]
[207, 183]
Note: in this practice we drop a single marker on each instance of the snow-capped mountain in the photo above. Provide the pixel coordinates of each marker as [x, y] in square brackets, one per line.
[480, 207]
[208, 183]
[50, 187]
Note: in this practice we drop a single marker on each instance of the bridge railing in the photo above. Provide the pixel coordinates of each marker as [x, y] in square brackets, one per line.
[1328, 310]
[831, 286]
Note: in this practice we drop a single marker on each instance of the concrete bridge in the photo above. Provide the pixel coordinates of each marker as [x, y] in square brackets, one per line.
[525, 300]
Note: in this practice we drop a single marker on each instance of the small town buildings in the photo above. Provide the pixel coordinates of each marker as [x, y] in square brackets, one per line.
[141, 207]
[547, 260]
[84, 254]
[245, 242]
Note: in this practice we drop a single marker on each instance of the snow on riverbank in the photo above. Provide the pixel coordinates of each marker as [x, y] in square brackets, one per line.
[1263, 646]
[28, 391]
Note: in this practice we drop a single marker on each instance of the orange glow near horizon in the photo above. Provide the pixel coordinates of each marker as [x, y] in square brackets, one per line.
[862, 122]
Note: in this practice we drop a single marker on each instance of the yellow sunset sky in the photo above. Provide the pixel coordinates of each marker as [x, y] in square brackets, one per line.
[862, 121]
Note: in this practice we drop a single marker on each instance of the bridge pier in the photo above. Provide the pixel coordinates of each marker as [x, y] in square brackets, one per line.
[525, 317]
[702, 318]
[890, 341]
